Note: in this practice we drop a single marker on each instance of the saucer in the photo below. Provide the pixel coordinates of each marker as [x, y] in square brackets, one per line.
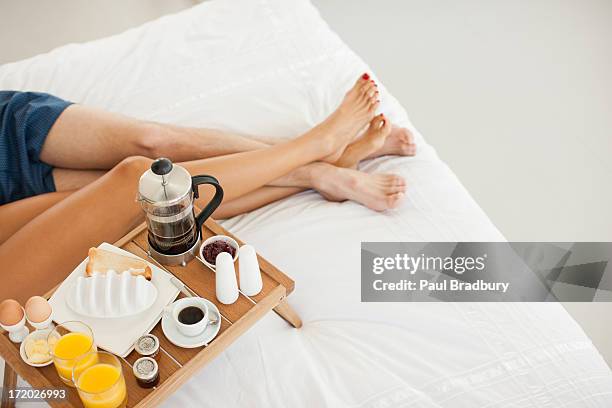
[36, 334]
[178, 339]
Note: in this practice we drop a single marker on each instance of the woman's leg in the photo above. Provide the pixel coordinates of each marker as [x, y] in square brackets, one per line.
[15, 215]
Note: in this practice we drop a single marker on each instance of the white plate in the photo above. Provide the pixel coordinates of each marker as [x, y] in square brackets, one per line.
[24, 357]
[116, 335]
[180, 340]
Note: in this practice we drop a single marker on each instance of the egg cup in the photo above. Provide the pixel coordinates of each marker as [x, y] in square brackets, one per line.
[36, 307]
[17, 331]
[44, 325]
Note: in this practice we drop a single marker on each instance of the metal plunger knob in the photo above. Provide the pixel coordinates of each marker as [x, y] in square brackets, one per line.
[161, 167]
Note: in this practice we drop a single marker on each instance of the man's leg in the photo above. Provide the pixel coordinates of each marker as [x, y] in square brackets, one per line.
[90, 138]
[378, 192]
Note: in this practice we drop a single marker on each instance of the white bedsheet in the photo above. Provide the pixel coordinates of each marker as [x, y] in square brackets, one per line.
[273, 67]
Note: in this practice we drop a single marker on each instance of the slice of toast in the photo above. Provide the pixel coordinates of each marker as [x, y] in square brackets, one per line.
[102, 261]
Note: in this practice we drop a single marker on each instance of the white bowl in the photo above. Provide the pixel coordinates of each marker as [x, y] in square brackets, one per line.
[231, 241]
[37, 334]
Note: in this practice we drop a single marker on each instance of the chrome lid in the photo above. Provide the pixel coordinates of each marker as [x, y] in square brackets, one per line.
[145, 368]
[164, 183]
[147, 345]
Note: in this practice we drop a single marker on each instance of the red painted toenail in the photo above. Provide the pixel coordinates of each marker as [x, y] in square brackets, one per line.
[365, 76]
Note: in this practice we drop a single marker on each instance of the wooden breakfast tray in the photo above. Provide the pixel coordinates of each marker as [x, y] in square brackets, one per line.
[176, 364]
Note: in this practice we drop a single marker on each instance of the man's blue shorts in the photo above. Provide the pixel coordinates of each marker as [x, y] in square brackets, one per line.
[25, 120]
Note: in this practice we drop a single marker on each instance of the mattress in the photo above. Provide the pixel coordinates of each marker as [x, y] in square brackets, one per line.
[274, 68]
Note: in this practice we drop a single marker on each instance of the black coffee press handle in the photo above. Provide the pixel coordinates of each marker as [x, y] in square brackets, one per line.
[213, 204]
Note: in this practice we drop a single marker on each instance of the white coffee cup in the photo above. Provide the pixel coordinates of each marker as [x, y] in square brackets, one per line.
[190, 330]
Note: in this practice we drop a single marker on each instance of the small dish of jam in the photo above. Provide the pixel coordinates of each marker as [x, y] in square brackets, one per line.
[214, 245]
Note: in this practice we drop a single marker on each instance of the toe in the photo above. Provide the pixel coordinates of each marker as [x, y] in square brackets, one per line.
[373, 106]
[394, 199]
[362, 81]
[404, 135]
[392, 180]
[409, 136]
[377, 122]
[399, 181]
[368, 88]
[386, 125]
[398, 184]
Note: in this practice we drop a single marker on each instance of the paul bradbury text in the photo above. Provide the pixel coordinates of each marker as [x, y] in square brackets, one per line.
[446, 285]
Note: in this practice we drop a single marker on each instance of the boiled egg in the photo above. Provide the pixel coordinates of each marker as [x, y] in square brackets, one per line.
[37, 309]
[11, 312]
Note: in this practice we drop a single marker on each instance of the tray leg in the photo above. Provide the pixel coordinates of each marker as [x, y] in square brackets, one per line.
[286, 312]
[9, 383]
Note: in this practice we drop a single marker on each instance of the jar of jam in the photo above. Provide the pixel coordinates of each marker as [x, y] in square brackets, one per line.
[146, 372]
[148, 346]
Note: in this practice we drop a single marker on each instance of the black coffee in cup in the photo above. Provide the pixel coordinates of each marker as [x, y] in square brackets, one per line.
[190, 315]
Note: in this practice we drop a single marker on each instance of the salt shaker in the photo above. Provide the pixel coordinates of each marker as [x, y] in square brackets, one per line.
[250, 275]
[225, 279]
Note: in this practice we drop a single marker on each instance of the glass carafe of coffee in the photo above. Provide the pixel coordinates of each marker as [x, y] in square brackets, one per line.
[166, 193]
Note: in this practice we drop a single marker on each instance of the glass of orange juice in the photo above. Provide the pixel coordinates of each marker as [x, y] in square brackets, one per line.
[68, 342]
[99, 380]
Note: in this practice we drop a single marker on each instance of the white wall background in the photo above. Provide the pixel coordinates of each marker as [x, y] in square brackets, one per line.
[30, 27]
[514, 95]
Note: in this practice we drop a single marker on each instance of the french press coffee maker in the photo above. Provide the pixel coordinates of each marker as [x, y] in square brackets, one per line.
[166, 193]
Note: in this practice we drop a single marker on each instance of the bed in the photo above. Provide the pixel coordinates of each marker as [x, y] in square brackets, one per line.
[274, 68]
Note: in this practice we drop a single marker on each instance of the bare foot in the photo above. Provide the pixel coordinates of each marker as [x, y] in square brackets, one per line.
[355, 111]
[372, 141]
[378, 192]
[400, 142]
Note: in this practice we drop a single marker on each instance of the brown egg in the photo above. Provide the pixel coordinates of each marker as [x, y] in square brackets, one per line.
[37, 309]
[11, 312]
